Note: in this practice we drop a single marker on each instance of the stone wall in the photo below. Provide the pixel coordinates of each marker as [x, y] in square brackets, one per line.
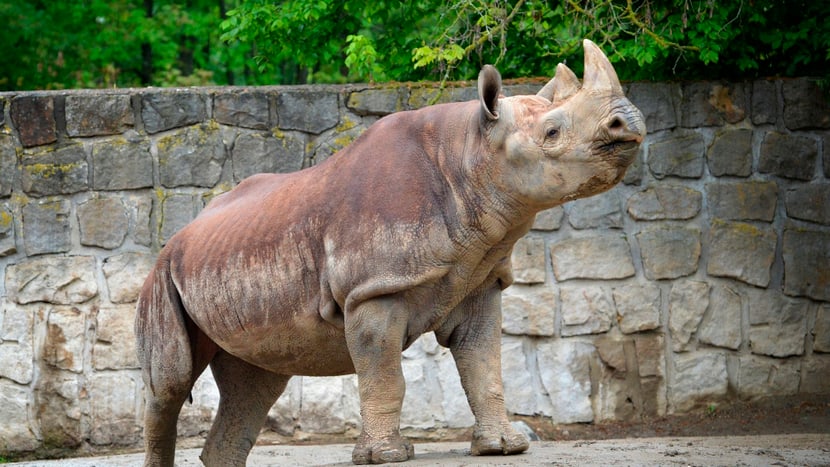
[705, 277]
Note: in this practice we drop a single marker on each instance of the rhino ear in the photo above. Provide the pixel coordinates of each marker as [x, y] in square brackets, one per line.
[489, 88]
[563, 85]
[599, 74]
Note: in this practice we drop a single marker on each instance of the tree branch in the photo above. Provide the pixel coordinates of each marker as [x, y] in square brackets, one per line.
[488, 34]
[485, 36]
[632, 16]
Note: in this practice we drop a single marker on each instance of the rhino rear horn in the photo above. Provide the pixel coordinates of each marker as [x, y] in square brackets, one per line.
[489, 89]
[599, 74]
[563, 85]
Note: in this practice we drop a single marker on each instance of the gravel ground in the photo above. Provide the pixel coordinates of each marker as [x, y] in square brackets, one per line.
[764, 450]
[790, 431]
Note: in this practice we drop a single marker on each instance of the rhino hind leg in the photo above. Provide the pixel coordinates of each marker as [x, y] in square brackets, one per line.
[474, 338]
[165, 348]
[160, 416]
[246, 393]
[164, 400]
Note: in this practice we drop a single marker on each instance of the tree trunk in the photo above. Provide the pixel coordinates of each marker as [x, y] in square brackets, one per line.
[146, 74]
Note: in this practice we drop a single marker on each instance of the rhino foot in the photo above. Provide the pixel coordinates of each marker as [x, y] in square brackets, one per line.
[503, 440]
[381, 451]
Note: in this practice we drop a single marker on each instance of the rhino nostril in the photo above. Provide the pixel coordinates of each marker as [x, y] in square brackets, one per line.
[625, 127]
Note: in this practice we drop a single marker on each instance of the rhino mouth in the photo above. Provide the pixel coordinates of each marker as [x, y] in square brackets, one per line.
[622, 152]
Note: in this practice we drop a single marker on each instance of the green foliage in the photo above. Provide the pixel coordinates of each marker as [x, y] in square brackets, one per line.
[361, 56]
[425, 55]
[686, 39]
[98, 43]
[283, 38]
[646, 39]
[332, 41]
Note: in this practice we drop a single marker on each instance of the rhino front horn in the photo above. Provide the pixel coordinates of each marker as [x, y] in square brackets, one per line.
[599, 74]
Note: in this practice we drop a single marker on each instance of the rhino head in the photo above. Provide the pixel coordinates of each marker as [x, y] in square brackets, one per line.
[569, 141]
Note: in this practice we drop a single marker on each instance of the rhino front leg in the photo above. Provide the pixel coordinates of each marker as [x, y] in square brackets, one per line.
[374, 334]
[474, 338]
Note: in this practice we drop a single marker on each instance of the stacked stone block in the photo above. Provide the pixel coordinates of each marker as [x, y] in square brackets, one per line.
[704, 277]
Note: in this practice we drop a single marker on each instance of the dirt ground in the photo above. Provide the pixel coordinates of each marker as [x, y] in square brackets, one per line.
[780, 431]
[784, 415]
[745, 451]
[780, 415]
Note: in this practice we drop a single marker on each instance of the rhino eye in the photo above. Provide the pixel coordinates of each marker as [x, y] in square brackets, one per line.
[552, 133]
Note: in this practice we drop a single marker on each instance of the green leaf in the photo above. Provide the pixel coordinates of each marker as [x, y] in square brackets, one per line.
[451, 54]
[424, 56]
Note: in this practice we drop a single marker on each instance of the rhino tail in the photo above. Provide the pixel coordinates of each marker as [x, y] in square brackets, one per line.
[163, 335]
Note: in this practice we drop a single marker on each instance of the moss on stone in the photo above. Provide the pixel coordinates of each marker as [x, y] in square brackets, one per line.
[6, 220]
[219, 189]
[342, 141]
[46, 171]
[19, 199]
[346, 125]
[56, 205]
[161, 194]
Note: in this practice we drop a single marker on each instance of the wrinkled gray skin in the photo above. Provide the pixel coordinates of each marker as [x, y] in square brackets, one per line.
[338, 268]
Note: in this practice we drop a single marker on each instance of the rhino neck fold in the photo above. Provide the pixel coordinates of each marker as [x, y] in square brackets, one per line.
[482, 209]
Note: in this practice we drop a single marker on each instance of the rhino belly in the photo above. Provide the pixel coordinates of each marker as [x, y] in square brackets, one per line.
[271, 321]
[294, 343]
[302, 346]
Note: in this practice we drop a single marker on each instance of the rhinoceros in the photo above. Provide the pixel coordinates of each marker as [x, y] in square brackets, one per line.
[337, 268]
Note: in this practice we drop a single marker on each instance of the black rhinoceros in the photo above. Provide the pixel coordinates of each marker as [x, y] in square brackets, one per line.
[337, 268]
